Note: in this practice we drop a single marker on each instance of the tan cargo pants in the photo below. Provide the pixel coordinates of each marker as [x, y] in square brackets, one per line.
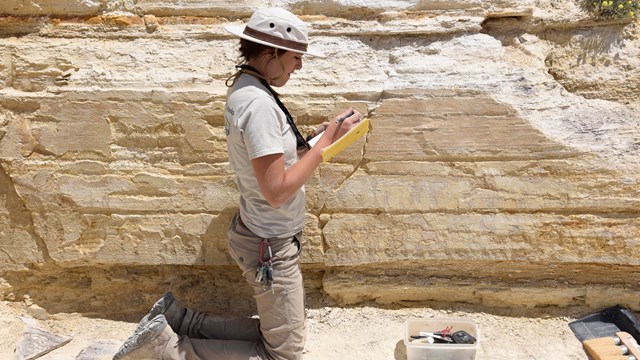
[279, 334]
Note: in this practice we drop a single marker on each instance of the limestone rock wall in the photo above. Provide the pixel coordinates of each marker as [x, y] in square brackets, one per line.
[502, 167]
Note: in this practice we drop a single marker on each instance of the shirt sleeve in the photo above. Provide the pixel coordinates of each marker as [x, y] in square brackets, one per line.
[262, 128]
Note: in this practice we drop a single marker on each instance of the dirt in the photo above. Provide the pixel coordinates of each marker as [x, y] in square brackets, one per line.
[364, 332]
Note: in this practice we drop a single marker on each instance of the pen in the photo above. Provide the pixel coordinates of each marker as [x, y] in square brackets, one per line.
[344, 117]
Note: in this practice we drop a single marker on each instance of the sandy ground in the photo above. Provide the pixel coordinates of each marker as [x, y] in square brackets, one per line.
[364, 332]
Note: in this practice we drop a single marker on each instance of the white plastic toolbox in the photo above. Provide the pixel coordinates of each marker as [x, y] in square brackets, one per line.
[438, 351]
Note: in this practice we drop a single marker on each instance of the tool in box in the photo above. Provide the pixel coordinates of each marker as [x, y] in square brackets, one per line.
[446, 336]
[621, 346]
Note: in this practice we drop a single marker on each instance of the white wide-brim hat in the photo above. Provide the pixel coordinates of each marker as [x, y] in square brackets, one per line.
[277, 28]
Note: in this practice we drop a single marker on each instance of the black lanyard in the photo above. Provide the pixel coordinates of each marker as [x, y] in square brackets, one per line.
[301, 143]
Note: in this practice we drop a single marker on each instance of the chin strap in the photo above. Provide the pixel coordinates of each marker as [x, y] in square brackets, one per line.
[301, 142]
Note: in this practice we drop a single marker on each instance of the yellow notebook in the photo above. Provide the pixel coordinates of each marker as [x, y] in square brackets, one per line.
[352, 135]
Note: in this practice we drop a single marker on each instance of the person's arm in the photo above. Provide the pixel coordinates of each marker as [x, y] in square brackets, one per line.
[278, 184]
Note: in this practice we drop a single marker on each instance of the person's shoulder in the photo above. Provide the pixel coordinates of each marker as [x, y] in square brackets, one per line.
[252, 97]
[248, 83]
[251, 90]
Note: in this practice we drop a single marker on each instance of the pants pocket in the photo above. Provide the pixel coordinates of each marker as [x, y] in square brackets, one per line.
[297, 240]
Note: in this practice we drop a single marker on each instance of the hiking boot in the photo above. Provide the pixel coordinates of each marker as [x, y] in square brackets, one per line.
[168, 306]
[147, 342]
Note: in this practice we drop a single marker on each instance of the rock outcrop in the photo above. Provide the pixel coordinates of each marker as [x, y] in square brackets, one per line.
[502, 168]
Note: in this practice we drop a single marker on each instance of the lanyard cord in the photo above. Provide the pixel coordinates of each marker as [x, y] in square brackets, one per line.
[301, 143]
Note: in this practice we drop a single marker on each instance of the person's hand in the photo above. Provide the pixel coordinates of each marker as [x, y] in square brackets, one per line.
[337, 127]
[348, 123]
[321, 128]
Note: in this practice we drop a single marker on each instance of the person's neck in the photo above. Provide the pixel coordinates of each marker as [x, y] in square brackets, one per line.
[259, 67]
